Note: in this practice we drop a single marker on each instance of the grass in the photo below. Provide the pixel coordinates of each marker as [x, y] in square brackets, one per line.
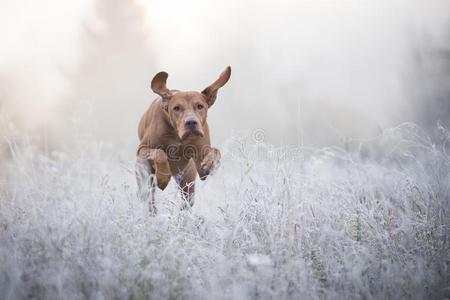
[371, 221]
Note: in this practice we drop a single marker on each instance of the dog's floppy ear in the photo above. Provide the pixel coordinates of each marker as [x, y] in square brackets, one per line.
[211, 91]
[159, 87]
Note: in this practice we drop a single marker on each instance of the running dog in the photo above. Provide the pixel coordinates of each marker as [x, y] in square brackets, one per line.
[174, 139]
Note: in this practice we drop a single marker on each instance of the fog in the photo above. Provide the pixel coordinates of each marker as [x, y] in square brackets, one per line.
[333, 130]
[309, 72]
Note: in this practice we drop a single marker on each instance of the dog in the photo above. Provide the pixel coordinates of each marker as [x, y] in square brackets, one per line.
[174, 140]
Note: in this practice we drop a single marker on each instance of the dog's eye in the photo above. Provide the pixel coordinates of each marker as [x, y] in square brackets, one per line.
[177, 108]
[200, 106]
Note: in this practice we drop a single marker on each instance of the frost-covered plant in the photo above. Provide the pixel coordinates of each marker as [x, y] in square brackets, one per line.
[371, 221]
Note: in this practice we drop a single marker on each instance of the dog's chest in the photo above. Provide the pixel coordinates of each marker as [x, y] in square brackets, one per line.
[180, 152]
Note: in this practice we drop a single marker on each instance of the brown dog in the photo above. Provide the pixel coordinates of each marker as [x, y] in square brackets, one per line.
[174, 139]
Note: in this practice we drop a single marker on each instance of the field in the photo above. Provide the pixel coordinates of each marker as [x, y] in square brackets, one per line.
[369, 220]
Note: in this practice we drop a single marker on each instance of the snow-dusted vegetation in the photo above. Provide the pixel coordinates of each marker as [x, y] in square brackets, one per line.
[368, 221]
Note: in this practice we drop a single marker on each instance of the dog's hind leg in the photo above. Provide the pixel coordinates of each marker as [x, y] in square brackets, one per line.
[145, 179]
[186, 183]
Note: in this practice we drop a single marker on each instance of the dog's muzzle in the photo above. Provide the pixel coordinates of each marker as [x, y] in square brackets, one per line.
[191, 129]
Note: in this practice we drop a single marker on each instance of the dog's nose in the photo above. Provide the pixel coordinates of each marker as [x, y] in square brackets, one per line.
[191, 122]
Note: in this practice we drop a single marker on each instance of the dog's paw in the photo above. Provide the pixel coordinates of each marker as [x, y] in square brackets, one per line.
[162, 181]
[208, 166]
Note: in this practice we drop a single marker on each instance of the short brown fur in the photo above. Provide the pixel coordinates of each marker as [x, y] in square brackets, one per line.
[174, 138]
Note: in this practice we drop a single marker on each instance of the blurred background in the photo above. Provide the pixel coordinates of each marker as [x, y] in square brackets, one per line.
[305, 72]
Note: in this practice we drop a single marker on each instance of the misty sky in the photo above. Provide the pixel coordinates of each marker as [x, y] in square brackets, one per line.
[303, 71]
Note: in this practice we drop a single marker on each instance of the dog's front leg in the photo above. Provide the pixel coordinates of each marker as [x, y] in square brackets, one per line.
[208, 162]
[160, 163]
[162, 167]
[146, 174]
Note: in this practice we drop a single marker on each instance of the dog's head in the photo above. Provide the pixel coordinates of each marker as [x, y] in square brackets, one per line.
[187, 111]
